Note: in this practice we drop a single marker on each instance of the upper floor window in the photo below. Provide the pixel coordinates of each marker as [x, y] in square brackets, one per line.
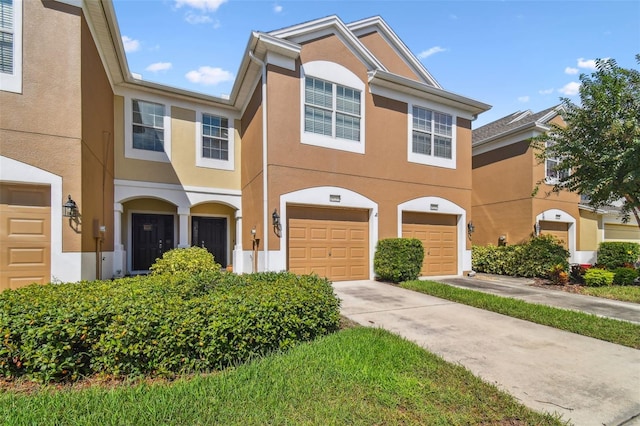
[148, 129]
[11, 45]
[553, 172]
[214, 142]
[148, 126]
[432, 138]
[332, 107]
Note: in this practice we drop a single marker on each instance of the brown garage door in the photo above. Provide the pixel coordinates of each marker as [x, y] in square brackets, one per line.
[616, 232]
[560, 230]
[332, 243]
[439, 237]
[25, 235]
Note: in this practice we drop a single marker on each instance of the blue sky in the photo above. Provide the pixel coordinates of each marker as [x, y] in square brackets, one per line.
[513, 55]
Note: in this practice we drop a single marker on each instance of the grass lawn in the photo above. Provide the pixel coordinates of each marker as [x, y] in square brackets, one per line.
[629, 293]
[359, 376]
[610, 330]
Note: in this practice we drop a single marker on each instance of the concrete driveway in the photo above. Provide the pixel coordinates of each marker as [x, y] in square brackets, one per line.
[587, 381]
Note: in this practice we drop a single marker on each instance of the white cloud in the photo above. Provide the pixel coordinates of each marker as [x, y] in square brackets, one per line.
[204, 5]
[523, 99]
[426, 53]
[587, 63]
[130, 45]
[277, 8]
[545, 91]
[569, 70]
[194, 18]
[209, 76]
[452, 16]
[570, 89]
[159, 66]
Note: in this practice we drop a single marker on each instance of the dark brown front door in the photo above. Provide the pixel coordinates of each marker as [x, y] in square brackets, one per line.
[152, 236]
[211, 233]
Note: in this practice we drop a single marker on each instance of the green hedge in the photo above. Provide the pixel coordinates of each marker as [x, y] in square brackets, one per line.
[624, 276]
[534, 258]
[158, 325]
[616, 254]
[595, 277]
[398, 259]
[190, 259]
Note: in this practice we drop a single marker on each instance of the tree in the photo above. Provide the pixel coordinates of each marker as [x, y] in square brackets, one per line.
[600, 143]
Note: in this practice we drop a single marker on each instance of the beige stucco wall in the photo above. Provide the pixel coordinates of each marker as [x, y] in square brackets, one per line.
[385, 54]
[590, 230]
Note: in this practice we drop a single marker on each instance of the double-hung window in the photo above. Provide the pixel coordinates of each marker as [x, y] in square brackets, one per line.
[215, 137]
[331, 109]
[553, 172]
[432, 137]
[11, 45]
[148, 126]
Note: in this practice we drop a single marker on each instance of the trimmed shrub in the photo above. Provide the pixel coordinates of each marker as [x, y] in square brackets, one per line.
[624, 276]
[595, 277]
[190, 260]
[558, 275]
[398, 259]
[614, 254]
[158, 324]
[534, 258]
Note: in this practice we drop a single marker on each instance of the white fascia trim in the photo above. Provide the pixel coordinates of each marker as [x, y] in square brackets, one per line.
[330, 25]
[397, 87]
[321, 197]
[431, 160]
[506, 139]
[444, 206]
[556, 215]
[13, 82]
[365, 25]
[337, 74]
[212, 163]
[141, 154]
[65, 267]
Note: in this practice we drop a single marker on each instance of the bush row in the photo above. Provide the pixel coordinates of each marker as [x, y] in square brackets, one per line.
[616, 254]
[534, 258]
[398, 259]
[159, 324]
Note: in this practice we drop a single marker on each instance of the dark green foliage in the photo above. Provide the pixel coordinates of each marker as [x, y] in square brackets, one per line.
[624, 276]
[398, 259]
[595, 277]
[615, 254]
[535, 258]
[158, 325]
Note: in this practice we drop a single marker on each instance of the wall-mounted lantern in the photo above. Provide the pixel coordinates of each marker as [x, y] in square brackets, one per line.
[470, 228]
[536, 229]
[70, 209]
[275, 219]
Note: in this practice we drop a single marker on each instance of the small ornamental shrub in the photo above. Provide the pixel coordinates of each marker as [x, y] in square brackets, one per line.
[558, 275]
[624, 276]
[190, 260]
[614, 254]
[534, 258]
[577, 273]
[158, 324]
[398, 259]
[595, 277]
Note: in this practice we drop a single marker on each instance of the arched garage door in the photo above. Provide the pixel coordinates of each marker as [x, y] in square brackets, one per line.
[560, 230]
[332, 243]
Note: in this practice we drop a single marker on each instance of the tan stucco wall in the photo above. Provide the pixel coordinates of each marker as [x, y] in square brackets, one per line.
[385, 54]
[590, 230]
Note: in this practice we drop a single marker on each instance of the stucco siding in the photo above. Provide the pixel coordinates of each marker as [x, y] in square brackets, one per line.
[383, 51]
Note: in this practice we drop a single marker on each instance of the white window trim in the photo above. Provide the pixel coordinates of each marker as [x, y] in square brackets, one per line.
[213, 163]
[336, 74]
[13, 82]
[431, 160]
[548, 179]
[143, 154]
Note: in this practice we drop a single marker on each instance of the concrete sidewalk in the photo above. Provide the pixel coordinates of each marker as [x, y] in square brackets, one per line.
[587, 381]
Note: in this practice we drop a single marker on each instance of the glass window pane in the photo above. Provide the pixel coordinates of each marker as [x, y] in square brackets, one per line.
[148, 139]
[421, 119]
[318, 92]
[6, 53]
[441, 147]
[348, 100]
[317, 120]
[347, 127]
[215, 143]
[421, 143]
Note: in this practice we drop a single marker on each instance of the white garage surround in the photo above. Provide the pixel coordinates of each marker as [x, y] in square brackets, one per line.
[437, 205]
[555, 215]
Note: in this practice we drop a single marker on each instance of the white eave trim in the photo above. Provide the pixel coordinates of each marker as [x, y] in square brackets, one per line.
[517, 134]
[591, 209]
[381, 80]
[376, 23]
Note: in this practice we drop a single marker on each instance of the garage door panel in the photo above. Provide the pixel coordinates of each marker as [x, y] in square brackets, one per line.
[438, 235]
[298, 233]
[338, 249]
[559, 230]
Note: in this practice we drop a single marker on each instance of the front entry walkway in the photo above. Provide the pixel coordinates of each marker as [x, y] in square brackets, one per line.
[587, 381]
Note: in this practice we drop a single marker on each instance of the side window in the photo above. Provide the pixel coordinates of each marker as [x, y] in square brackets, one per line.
[147, 129]
[214, 141]
[432, 137]
[553, 173]
[11, 45]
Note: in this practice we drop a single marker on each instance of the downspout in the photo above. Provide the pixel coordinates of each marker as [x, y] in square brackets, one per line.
[265, 198]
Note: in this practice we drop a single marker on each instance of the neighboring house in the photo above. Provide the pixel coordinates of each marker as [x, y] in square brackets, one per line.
[366, 146]
[56, 140]
[512, 191]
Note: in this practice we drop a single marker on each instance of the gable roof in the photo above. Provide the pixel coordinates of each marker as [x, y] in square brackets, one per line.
[514, 123]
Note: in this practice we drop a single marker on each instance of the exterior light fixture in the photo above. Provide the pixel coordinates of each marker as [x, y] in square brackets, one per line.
[70, 209]
[470, 228]
[275, 217]
[536, 229]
